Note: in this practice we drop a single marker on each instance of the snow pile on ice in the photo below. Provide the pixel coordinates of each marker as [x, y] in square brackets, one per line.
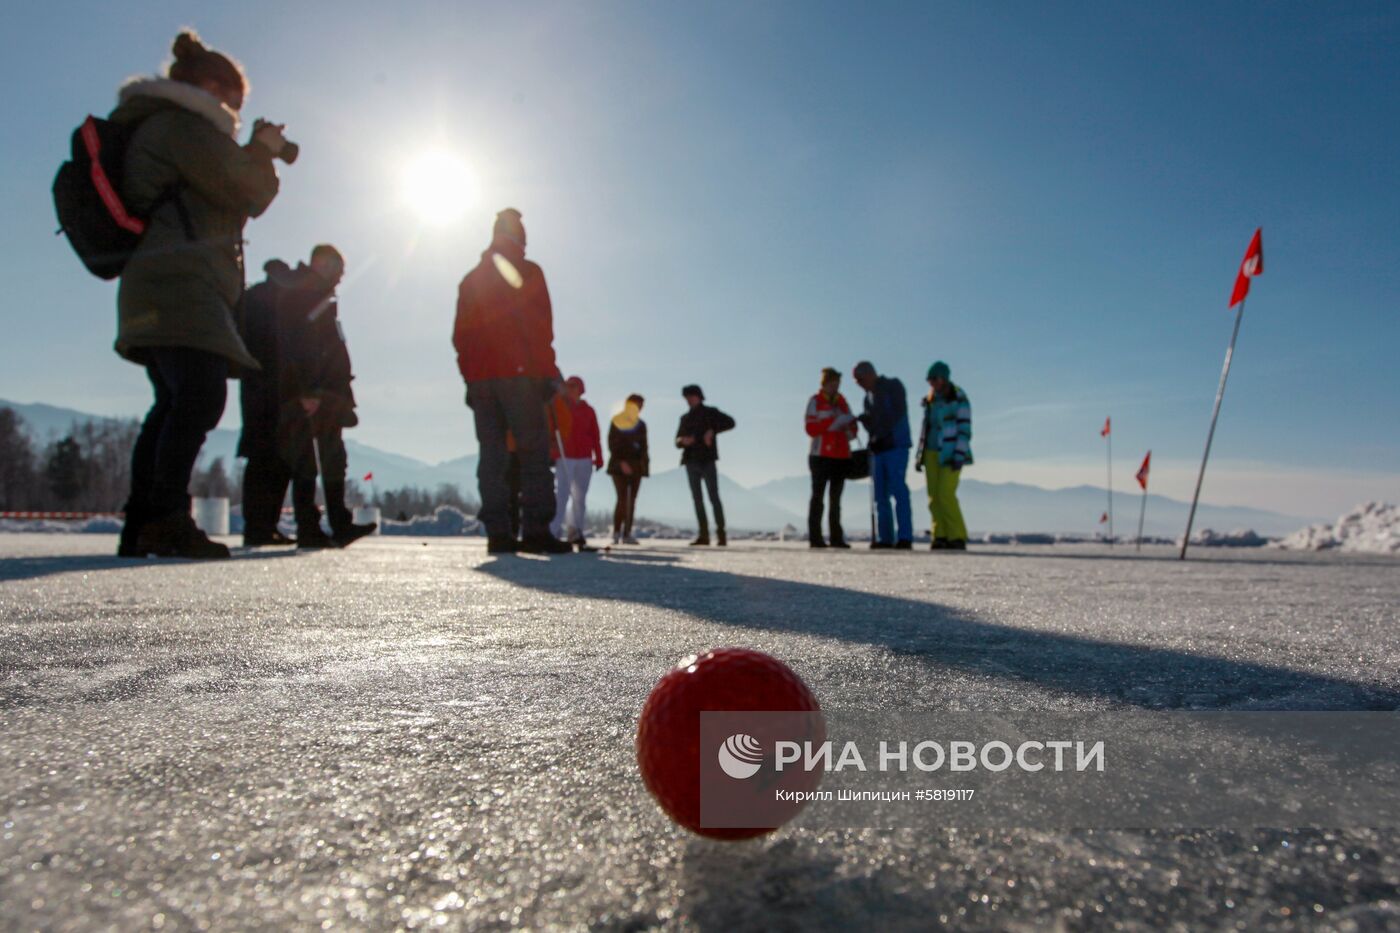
[1373, 528]
[102, 525]
[1240, 537]
[446, 522]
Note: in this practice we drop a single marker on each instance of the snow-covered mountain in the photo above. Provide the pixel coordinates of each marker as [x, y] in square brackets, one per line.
[1017, 507]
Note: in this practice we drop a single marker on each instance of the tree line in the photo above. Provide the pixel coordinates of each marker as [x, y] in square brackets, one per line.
[89, 470]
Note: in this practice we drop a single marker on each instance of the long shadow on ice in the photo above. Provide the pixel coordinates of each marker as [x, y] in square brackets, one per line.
[1135, 675]
[28, 568]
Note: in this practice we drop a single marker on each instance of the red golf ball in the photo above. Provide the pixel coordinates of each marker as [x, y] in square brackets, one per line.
[668, 735]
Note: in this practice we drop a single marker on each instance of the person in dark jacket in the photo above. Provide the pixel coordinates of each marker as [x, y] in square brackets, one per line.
[629, 463]
[504, 338]
[886, 420]
[295, 409]
[697, 437]
[178, 292]
[267, 475]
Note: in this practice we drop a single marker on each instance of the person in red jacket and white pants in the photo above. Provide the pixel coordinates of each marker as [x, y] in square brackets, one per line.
[576, 429]
[831, 426]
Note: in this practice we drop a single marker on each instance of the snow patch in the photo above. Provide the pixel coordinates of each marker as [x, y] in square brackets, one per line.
[1240, 537]
[1373, 528]
[102, 525]
[445, 522]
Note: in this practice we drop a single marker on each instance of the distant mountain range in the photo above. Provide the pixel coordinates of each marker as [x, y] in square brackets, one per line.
[665, 497]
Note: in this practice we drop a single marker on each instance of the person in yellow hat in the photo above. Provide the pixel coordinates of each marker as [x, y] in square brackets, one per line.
[629, 462]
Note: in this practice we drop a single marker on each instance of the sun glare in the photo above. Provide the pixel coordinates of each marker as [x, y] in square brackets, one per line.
[438, 187]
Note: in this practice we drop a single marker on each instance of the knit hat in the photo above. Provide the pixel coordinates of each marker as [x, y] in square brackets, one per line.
[940, 370]
[693, 389]
[508, 225]
[575, 382]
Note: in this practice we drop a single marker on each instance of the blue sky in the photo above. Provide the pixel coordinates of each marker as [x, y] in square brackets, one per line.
[1052, 198]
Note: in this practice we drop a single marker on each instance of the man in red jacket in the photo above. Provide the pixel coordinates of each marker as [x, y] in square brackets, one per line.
[576, 424]
[504, 336]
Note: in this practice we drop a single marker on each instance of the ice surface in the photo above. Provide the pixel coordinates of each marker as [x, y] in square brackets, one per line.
[1373, 528]
[409, 733]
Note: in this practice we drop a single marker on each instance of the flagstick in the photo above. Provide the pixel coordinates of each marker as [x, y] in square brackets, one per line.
[1110, 487]
[1210, 435]
[1142, 514]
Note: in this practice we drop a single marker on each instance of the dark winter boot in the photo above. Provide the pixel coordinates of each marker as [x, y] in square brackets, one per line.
[720, 539]
[703, 538]
[264, 539]
[131, 532]
[938, 544]
[353, 532]
[816, 543]
[958, 544]
[176, 535]
[315, 540]
[544, 543]
[501, 544]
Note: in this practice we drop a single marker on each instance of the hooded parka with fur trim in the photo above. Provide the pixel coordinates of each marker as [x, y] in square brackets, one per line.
[180, 290]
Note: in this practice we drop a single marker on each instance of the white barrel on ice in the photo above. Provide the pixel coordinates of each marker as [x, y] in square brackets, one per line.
[364, 514]
[210, 515]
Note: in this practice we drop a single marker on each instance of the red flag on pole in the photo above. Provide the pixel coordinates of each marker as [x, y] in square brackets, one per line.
[1107, 427]
[1103, 519]
[369, 476]
[1143, 470]
[1252, 265]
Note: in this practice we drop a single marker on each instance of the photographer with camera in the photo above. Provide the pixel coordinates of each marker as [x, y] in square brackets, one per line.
[196, 187]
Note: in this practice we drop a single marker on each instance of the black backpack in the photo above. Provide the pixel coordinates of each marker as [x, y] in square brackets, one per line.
[86, 195]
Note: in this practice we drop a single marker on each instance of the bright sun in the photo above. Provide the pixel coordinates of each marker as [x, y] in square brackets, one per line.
[438, 187]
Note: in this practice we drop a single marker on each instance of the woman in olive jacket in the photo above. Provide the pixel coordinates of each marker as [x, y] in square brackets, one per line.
[628, 463]
[197, 187]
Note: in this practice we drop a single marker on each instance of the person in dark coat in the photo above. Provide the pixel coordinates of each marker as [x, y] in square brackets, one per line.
[175, 304]
[886, 420]
[296, 408]
[629, 462]
[266, 476]
[697, 437]
[504, 338]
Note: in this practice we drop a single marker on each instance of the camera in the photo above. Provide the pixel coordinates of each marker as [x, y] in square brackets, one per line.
[290, 150]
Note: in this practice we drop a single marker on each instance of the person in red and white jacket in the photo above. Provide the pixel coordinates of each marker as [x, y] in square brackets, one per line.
[831, 426]
[576, 429]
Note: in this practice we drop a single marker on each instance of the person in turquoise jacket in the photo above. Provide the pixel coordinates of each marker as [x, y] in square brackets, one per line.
[945, 447]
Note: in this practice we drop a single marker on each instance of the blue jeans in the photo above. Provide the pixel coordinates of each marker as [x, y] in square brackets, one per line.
[888, 469]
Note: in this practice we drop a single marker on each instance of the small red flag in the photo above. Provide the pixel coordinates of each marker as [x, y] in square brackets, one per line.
[1143, 471]
[369, 476]
[1252, 265]
[1107, 427]
[1103, 519]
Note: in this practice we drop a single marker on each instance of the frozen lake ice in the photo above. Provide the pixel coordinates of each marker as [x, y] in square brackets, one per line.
[410, 733]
